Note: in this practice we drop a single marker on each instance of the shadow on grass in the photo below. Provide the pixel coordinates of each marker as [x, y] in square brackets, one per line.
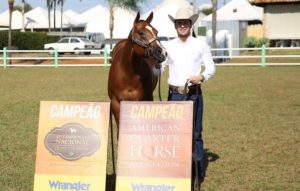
[208, 158]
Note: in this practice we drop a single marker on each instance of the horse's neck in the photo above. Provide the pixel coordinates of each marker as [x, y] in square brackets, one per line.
[129, 57]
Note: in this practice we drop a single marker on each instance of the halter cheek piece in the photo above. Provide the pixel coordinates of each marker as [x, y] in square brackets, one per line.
[143, 44]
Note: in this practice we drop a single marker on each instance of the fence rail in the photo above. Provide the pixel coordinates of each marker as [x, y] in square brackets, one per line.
[100, 58]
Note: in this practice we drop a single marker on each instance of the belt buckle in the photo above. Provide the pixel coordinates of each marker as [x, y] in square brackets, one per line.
[181, 90]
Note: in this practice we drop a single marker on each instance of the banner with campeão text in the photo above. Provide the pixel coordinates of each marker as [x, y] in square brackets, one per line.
[155, 146]
[72, 146]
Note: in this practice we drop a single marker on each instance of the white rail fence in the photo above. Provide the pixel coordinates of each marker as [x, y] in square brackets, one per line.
[100, 58]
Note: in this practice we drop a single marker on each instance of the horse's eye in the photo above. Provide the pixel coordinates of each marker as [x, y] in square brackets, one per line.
[142, 33]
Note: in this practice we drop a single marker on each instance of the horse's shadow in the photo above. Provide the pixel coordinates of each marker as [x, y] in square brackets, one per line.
[208, 158]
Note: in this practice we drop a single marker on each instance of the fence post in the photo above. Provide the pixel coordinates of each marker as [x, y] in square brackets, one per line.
[105, 56]
[4, 58]
[263, 55]
[55, 58]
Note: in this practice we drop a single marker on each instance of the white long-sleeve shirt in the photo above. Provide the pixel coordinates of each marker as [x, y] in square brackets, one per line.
[186, 58]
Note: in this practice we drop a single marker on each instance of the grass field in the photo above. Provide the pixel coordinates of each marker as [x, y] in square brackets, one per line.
[251, 123]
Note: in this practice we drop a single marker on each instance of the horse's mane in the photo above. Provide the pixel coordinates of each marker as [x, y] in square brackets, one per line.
[117, 48]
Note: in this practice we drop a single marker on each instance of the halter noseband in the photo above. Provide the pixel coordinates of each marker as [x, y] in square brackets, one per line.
[142, 43]
[146, 45]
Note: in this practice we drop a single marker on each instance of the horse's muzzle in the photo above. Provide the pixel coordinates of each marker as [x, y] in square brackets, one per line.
[157, 54]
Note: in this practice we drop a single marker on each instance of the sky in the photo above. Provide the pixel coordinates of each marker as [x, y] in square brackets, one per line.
[83, 5]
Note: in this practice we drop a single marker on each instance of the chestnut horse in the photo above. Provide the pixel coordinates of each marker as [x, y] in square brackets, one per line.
[135, 65]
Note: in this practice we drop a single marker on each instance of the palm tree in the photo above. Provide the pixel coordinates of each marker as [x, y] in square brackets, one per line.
[49, 6]
[23, 9]
[61, 2]
[195, 11]
[10, 5]
[126, 4]
[54, 14]
[214, 24]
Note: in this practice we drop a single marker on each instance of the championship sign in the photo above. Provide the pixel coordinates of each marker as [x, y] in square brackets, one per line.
[72, 146]
[155, 146]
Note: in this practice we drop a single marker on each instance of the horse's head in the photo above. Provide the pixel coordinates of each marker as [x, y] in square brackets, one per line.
[145, 41]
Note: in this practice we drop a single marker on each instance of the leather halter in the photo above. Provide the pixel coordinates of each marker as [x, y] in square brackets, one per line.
[142, 43]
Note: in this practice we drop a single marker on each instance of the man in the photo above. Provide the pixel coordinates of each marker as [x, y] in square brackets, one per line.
[186, 54]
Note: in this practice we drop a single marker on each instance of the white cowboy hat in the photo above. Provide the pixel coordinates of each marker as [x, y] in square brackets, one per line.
[184, 13]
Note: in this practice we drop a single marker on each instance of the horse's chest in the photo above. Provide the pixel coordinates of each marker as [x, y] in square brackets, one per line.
[133, 90]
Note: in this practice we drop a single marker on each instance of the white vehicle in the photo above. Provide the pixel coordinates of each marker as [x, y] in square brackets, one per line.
[71, 44]
[98, 39]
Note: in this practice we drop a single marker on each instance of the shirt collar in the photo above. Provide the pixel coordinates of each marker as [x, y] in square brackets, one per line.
[187, 40]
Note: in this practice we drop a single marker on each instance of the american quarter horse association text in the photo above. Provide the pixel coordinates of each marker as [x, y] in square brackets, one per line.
[135, 65]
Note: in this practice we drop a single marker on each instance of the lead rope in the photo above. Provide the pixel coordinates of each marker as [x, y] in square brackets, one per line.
[184, 97]
[196, 181]
[112, 150]
[159, 91]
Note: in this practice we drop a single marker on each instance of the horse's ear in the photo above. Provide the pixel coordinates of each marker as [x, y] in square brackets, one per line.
[137, 18]
[150, 17]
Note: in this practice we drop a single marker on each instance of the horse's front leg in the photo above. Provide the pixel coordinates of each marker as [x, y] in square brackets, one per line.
[115, 106]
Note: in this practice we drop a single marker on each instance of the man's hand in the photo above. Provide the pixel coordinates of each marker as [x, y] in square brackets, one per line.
[197, 79]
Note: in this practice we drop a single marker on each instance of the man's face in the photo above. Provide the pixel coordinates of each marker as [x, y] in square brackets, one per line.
[183, 27]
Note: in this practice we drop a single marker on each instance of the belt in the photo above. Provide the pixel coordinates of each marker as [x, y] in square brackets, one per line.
[189, 90]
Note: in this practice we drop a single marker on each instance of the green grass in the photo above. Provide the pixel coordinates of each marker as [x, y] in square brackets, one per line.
[251, 123]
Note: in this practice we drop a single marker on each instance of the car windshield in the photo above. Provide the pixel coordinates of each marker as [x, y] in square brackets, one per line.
[85, 40]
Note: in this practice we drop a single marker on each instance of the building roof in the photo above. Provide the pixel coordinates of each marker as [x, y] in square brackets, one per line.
[16, 22]
[240, 10]
[38, 18]
[273, 1]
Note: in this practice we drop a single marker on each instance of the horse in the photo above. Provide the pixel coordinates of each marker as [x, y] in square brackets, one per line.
[135, 65]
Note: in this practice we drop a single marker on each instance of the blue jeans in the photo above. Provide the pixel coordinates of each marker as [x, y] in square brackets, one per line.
[198, 152]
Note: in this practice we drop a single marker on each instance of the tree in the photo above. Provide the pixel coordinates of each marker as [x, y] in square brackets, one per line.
[27, 7]
[207, 11]
[61, 3]
[54, 14]
[10, 6]
[49, 6]
[23, 8]
[214, 24]
[126, 4]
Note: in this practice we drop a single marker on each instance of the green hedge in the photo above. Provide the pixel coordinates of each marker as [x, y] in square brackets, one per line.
[26, 40]
[252, 42]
